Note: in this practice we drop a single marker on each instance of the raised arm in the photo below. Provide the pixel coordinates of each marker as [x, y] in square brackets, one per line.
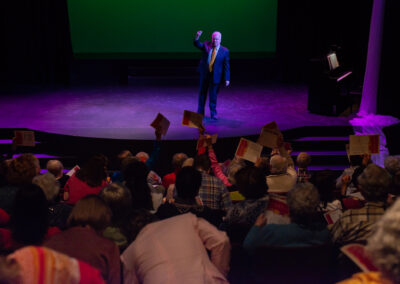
[196, 41]
[151, 161]
[216, 167]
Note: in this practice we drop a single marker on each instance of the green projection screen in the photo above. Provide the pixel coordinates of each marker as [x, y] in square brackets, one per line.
[166, 28]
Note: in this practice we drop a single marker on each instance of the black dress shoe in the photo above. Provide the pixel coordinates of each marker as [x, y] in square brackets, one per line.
[214, 117]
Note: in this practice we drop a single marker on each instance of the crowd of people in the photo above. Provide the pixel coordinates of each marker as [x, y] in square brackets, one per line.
[134, 226]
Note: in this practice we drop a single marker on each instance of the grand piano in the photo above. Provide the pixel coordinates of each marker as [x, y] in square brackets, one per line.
[328, 86]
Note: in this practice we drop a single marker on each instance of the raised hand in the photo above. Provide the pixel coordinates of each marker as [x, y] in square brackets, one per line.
[198, 34]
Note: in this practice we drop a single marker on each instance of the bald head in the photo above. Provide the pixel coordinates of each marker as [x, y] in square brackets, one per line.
[55, 167]
[216, 39]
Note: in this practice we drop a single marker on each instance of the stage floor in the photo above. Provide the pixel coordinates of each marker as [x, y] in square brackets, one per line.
[125, 112]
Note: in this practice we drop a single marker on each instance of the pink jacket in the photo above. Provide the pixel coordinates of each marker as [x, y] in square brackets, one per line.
[174, 251]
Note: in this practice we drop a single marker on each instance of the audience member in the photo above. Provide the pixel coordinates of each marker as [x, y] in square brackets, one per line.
[30, 218]
[325, 182]
[184, 241]
[84, 241]
[34, 264]
[384, 250]
[355, 162]
[29, 222]
[241, 216]
[143, 194]
[303, 161]
[177, 163]
[90, 179]
[58, 212]
[188, 182]
[118, 198]
[56, 168]
[117, 176]
[20, 171]
[392, 164]
[283, 176]
[355, 225]
[213, 192]
[306, 228]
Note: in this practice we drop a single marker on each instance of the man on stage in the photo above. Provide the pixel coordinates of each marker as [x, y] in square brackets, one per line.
[214, 69]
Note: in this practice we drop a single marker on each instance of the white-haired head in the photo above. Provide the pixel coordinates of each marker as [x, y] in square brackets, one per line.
[278, 164]
[383, 245]
[216, 38]
[48, 183]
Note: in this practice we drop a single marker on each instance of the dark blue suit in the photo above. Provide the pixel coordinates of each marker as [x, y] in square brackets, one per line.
[211, 81]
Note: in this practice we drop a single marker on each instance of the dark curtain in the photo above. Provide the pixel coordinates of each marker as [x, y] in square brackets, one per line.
[307, 28]
[36, 46]
[388, 88]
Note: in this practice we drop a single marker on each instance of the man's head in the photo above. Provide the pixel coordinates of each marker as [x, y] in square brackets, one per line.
[23, 169]
[303, 160]
[216, 39]
[202, 162]
[188, 182]
[143, 156]
[303, 201]
[278, 164]
[392, 164]
[374, 183]
[55, 167]
[251, 182]
[178, 159]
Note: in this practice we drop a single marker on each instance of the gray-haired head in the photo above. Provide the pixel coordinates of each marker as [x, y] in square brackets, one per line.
[278, 164]
[303, 201]
[383, 245]
[48, 183]
[392, 164]
[143, 156]
[374, 183]
[55, 167]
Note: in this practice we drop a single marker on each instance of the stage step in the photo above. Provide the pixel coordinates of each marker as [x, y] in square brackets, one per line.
[326, 148]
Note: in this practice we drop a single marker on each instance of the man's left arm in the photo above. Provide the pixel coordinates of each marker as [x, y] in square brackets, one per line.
[227, 69]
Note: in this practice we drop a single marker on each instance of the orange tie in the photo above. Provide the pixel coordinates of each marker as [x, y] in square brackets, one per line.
[213, 55]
